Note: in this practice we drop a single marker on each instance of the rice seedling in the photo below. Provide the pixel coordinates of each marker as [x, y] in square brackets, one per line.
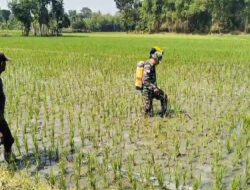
[104, 171]
[130, 172]
[196, 183]
[220, 173]
[62, 171]
[50, 154]
[71, 138]
[246, 123]
[17, 143]
[184, 177]
[247, 173]
[177, 148]
[236, 183]
[177, 178]
[238, 154]
[77, 169]
[37, 177]
[91, 161]
[158, 171]
[52, 178]
[36, 148]
[82, 134]
[228, 146]
[116, 164]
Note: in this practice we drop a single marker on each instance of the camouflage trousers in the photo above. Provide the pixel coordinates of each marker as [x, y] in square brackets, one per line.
[7, 138]
[149, 95]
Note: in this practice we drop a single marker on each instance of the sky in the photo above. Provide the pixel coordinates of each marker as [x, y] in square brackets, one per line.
[105, 6]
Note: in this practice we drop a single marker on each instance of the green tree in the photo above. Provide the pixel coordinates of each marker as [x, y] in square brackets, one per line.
[246, 15]
[72, 15]
[104, 23]
[57, 14]
[182, 7]
[41, 14]
[222, 15]
[146, 15]
[158, 15]
[66, 21]
[199, 16]
[5, 14]
[86, 12]
[22, 10]
[129, 10]
[152, 15]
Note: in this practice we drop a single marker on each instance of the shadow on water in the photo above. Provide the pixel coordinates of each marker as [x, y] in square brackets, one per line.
[171, 113]
[33, 161]
[180, 111]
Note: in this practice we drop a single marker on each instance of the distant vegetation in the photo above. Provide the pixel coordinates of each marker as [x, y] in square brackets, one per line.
[202, 16]
[48, 17]
[86, 20]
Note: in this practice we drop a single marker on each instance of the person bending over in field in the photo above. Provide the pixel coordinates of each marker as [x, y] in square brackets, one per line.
[6, 137]
[148, 84]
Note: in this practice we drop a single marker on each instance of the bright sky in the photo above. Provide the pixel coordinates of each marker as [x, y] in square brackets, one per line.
[105, 6]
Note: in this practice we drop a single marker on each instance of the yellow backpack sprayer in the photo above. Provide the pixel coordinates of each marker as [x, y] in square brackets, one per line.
[139, 75]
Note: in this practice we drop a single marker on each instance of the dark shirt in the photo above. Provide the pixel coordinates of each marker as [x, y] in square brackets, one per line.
[149, 76]
[2, 97]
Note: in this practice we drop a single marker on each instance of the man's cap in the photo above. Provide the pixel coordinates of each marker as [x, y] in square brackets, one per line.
[3, 57]
[156, 49]
[156, 53]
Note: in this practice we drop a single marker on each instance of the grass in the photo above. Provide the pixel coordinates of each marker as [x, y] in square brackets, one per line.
[79, 122]
[20, 180]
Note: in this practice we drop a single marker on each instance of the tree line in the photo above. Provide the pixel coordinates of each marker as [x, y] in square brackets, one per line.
[45, 17]
[189, 16]
[48, 17]
[87, 21]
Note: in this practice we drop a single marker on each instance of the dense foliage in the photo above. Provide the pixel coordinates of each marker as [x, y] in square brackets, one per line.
[201, 16]
[44, 16]
[86, 20]
[8, 20]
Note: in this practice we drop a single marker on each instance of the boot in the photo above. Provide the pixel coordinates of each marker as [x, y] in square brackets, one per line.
[164, 105]
[7, 155]
[149, 113]
[1, 138]
[7, 150]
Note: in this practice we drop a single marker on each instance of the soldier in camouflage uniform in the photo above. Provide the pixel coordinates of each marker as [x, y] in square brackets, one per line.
[149, 88]
[6, 137]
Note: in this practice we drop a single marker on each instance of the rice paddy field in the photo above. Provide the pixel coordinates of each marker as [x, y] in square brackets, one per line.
[78, 123]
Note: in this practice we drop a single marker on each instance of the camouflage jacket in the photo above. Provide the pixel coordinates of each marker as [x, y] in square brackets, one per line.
[2, 97]
[149, 76]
